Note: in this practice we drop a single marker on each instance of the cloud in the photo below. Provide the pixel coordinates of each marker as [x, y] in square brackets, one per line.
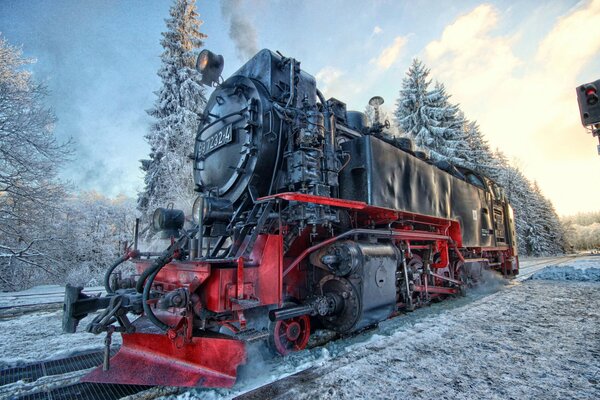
[377, 30]
[467, 48]
[334, 82]
[573, 41]
[525, 104]
[328, 75]
[390, 54]
[466, 28]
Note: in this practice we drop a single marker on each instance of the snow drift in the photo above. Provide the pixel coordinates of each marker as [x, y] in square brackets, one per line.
[585, 270]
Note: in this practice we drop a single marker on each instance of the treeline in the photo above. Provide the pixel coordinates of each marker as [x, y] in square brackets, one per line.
[425, 114]
[75, 242]
[583, 231]
[47, 234]
[583, 218]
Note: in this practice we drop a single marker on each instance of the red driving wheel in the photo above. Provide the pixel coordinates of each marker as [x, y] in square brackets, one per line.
[290, 335]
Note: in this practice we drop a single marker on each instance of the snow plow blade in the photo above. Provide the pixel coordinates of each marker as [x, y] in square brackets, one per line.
[156, 360]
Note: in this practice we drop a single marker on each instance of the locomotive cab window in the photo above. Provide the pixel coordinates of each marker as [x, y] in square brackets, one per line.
[474, 180]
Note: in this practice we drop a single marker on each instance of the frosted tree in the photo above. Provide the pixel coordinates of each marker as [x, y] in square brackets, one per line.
[179, 104]
[454, 144]
[539, 231]
[518, 191]
[30, 157]
[413, 108]
[551, 237]
[479, 150]
[479, 155]
[427, 116]
[98, 229]
[582, 231]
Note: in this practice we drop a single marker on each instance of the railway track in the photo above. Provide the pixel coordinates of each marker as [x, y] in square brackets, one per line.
[59, 379]
[15, 311]
[20, 303]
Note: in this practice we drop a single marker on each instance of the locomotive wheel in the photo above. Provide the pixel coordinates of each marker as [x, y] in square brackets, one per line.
[289, 335]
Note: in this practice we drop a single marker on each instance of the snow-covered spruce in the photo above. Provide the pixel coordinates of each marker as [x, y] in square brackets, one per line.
[177, 110]
[426, 115]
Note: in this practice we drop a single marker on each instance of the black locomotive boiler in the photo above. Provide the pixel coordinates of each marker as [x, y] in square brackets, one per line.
[306, 217]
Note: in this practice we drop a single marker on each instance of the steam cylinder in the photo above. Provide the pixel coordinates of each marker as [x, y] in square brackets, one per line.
[369, 287]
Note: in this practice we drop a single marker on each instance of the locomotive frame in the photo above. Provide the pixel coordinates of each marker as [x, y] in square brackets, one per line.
[307, 217]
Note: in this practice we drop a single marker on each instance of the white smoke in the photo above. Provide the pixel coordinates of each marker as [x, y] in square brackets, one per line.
[241, 30]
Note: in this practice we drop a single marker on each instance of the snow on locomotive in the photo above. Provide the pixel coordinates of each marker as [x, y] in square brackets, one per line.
[306, 217]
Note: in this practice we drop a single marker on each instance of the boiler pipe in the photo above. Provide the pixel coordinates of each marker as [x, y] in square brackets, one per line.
[402, 235]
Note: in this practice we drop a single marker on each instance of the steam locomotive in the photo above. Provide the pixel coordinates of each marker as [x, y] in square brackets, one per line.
[308, 217]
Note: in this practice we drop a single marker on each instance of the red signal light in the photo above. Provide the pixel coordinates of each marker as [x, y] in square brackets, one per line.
[588, 99]
[590, 94]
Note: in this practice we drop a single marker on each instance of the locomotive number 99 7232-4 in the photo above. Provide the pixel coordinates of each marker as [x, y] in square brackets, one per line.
[213, 142]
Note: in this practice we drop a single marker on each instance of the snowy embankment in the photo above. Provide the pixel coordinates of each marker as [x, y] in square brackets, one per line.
[537, 339]
[584, 270]
[38, 335]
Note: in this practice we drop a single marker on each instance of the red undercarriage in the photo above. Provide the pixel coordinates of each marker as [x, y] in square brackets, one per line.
[266, 277]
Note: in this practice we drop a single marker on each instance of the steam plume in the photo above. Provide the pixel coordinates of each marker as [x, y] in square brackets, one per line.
[241, 30]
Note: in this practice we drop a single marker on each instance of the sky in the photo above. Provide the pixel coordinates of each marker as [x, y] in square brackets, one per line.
[511, 65]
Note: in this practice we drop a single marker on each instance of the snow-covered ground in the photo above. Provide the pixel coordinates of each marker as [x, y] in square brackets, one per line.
[38, 336]
[582, 270]
[535, 339]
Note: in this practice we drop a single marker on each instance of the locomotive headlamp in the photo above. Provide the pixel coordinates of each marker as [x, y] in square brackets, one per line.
[211, 209]
[210, 65]
[168, 221]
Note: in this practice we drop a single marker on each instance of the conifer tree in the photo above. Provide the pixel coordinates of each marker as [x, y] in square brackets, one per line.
[433, 122]
[551, 235]
[479, 154]
[426, 116]
[413, 109]
[519, 196]
[454, 144]
[177, 110]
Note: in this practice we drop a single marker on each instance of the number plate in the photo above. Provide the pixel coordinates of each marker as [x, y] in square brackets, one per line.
[219, 139]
